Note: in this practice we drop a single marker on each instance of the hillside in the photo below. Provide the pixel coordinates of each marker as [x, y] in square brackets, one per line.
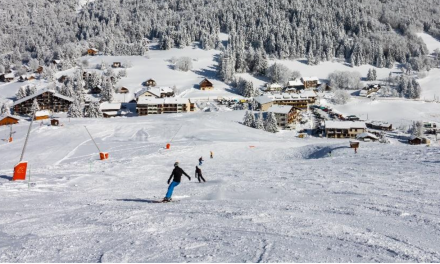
[283, 200]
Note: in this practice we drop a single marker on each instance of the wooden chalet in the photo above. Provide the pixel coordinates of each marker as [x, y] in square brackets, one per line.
[47, 100]
[8, 77]
[39, 70]
[206, 85]
[294, 86]
[117, 65]
[380, 126]
[160, 92]
[110, 109]
[273, 87]
[123, 90]
[150, 83]
[8, 120]
[367, 137]
[415, 140]
[92, 52]
[310, 82]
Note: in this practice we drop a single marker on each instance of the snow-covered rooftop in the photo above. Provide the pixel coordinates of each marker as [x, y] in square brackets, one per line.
[344, 125]
[295, 82]
[264, 99]
[157, 91]
[106, 106]
[367, 135]
[41, 91]
[310, 79]
[42, 113]
[9, 75]
[280, 109]
[10, 116]
[308, 93]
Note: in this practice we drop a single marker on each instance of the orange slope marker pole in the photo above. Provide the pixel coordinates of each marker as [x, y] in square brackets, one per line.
[21, 168]
[102, 155]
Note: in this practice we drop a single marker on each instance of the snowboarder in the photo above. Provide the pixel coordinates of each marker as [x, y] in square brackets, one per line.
[199, 174]
[330, 153]
[175, 175]
[201, 161]
[212, 154]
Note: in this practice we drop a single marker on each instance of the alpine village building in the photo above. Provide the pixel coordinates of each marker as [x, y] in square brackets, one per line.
[47, 100]
[151, 106]
[8, 120]
[344, 129]
[285, 115]
[206, 85]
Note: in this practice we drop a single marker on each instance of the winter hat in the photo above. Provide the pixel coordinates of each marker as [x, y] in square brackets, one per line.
[176, 164]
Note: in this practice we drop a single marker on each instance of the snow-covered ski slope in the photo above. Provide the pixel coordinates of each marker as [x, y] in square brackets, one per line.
[268, 198]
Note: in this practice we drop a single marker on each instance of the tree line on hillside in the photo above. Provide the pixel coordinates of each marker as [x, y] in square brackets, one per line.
[373, 32]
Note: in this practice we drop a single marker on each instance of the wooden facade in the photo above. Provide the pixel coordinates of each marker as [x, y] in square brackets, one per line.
[117, 65]
[312, 82]
[285, 115]
[150, 82]
[39, 70]
[47, 100]
[206, 85]
[8, 120]
[92, 52]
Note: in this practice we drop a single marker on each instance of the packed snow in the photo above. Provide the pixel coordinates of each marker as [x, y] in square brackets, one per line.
[268, 197]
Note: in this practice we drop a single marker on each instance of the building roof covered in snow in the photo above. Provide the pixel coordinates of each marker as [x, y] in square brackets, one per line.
[367, 135]
[280, 109]
[308, 93]
[106, 106]
[40, 92]
[9, 76]
[344, 125]
[295, 82]
[3, 116]
[274, 86]
[264, 99]
[42, 113]
[157, 91]
[310, 79]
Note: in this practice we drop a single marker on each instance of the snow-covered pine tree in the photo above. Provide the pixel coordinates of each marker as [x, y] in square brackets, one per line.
[108, 91]
[21, 93]
[248, 119]
[75, 109]
[270, 125]
[417, 129]
[94, 110]
[35, 106]
[370, 75]
[259, 121]
[374, 74]
[5, 109]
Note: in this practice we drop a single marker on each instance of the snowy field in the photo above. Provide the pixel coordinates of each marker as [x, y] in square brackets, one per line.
[282, 200]
[158, 66]
[396, 111]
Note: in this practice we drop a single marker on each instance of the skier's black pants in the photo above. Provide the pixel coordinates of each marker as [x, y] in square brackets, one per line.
[199, 176]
